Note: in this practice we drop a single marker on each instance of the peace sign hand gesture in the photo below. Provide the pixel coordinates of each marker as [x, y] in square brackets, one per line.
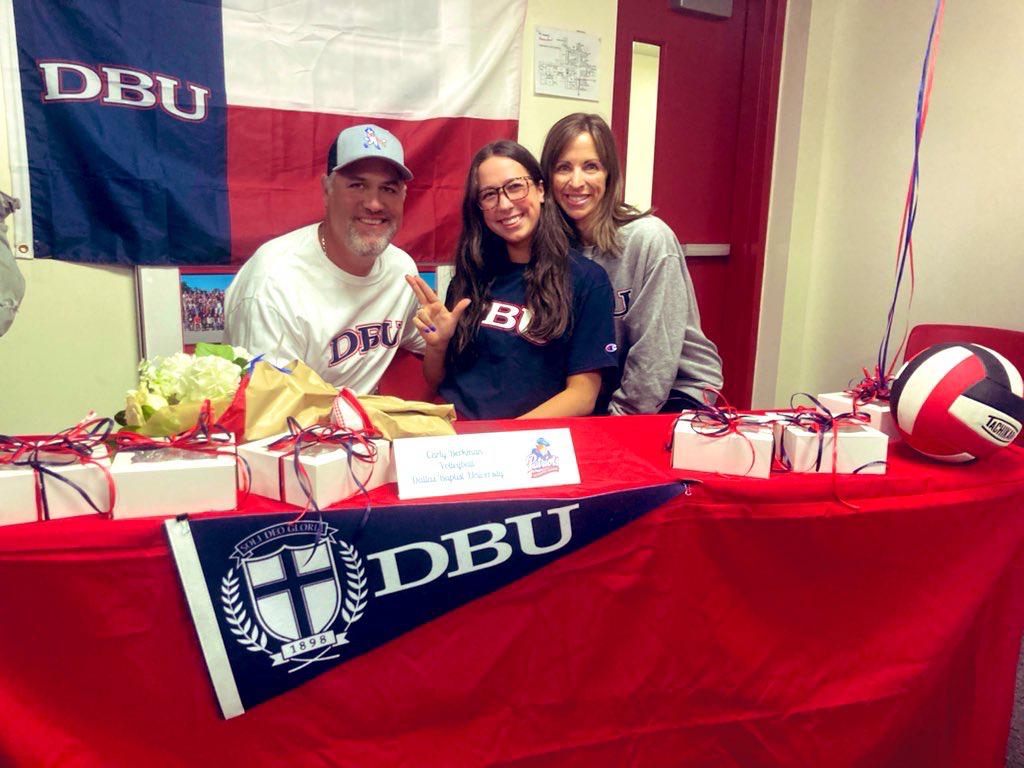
[433, 320]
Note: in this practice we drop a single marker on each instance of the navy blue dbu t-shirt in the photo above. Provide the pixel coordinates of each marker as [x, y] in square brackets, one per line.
[504, 374]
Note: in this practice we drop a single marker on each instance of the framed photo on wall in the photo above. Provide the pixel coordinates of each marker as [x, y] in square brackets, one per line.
[202, 304]
[180, 306]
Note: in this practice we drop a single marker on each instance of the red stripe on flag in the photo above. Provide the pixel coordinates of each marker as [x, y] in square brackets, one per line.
[276, 158]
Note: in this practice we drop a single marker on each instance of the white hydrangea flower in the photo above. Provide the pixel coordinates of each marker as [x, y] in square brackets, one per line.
[165, 375]
[146, 370]
[210, 376]
[241, 352]
[136, 399]
[182, 378]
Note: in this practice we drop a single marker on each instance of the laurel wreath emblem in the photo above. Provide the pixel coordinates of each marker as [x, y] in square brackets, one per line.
[355, 580]
[254, 639]
[245, 632]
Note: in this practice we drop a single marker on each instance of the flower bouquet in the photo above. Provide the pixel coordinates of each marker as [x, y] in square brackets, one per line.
[172, 389]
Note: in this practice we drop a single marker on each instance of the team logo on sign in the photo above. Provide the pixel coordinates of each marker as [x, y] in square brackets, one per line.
[276, 600]
[541, 460]
[294, 593]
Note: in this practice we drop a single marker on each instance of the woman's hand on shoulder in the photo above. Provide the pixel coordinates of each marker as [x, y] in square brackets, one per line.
[433, 320]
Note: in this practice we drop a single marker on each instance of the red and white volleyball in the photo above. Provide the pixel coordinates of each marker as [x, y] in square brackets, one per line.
[958, 402]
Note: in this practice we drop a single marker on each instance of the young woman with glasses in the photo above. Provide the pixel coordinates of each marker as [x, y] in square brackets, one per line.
[665, 359]
[527, 329]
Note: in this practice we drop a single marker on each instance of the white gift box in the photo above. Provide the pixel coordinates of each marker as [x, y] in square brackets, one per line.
[18, 490]
[729, 454]
[878, 412]
[776, 422]
[195, 482]
[858, 446]
[327, 466]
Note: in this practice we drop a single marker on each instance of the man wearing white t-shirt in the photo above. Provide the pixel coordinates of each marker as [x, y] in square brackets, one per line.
[333, 294]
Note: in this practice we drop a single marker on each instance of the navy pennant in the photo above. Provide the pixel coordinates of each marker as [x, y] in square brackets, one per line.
[276, 602]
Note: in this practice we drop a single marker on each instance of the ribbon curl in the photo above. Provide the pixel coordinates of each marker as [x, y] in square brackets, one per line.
[76, 445]
[259, 358]
[878, 382]
[718, 419]
[820, 421]
[299, 439]
[872, 388]
[206, 437]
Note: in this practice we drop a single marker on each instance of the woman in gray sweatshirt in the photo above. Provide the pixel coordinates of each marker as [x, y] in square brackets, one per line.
[665, 360]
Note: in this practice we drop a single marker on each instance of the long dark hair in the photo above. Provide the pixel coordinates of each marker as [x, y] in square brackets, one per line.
[481, 255]
[612, 211]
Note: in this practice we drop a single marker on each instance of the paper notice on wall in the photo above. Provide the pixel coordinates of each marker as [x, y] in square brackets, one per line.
[565, 64]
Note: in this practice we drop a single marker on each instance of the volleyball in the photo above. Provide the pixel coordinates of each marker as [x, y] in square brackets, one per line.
[958, 402]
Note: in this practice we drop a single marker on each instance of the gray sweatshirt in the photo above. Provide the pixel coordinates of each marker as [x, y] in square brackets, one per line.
[657, 323]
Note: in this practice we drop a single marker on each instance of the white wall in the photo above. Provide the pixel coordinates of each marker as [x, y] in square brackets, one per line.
[73, 346]
[850, 79]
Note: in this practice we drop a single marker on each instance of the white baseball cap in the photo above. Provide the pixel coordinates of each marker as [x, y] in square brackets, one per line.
[362, 141]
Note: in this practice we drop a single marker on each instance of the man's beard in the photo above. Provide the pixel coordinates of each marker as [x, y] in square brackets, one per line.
[368, 247]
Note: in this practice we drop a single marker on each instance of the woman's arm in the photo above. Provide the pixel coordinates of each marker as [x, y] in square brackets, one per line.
[663, 339]
[577, 399]
[433, 366]
[591, 349]
[656, 331]
[436, 325]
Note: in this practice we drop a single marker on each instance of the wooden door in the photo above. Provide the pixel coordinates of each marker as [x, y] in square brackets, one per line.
[717, 95]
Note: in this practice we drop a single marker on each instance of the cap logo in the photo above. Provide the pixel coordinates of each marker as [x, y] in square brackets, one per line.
[371, 139]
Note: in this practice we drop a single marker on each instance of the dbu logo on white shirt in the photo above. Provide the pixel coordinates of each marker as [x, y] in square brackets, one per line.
[364, 337]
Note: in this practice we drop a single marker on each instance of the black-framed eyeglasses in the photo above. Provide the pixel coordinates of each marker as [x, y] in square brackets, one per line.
[514, 189]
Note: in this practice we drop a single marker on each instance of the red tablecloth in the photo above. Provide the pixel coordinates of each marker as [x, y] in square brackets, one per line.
[752, 623]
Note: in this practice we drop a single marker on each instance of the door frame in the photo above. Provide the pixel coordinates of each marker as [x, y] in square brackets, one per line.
[759, 97]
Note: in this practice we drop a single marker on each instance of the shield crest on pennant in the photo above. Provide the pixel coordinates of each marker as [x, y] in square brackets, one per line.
[295, 591]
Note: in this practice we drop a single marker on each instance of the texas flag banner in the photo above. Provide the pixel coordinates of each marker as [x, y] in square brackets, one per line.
[277, 601]
[191, 131]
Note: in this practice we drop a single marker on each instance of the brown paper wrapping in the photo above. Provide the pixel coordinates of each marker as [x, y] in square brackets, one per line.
[395, 417]
[272, 396]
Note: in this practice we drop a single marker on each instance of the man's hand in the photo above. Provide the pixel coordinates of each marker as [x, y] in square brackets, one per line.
[433, 320]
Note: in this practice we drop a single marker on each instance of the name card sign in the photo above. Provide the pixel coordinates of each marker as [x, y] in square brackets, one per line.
[493, 461]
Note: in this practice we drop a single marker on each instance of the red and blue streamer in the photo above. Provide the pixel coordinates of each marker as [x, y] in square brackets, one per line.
[877, 386]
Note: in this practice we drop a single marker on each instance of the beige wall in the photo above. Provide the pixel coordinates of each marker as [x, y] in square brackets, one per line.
[74, 343]
[74, 346]
[538, 113]
[850, 79]
[643, 105]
